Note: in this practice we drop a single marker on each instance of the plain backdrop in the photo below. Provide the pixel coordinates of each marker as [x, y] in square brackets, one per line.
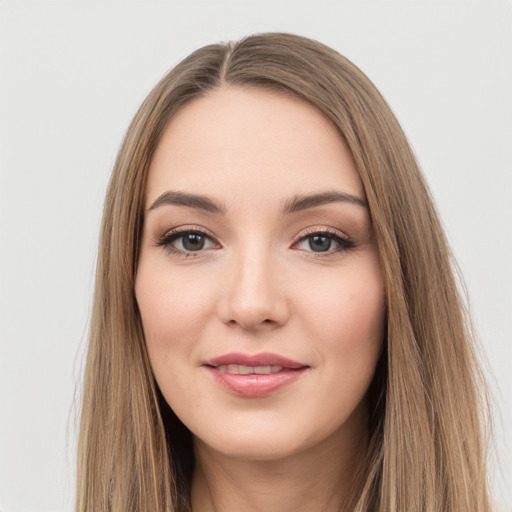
[72, 74]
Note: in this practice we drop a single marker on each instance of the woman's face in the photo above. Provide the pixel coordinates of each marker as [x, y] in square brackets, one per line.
[259, 283]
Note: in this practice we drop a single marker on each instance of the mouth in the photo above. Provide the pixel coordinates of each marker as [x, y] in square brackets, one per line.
[241, 369]
[254, 376]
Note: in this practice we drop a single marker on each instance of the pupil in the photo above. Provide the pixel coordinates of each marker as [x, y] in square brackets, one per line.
[193, 242]
[319, 243]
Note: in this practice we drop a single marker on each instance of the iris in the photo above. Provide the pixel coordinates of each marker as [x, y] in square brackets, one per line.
[193, 242]
[320, 243]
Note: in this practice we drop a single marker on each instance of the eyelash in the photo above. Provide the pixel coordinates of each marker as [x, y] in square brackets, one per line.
[169, 237]
[344, 242]
[166, 240]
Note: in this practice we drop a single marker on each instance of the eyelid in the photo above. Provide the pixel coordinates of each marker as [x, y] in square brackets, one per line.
[185, 228]
[320, 229]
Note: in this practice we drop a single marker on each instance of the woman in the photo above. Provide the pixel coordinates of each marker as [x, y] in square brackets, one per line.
[276, 323]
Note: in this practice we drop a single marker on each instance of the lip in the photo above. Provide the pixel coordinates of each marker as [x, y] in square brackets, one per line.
[279, 372]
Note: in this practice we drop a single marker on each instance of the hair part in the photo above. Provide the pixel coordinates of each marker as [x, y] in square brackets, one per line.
[426, 447]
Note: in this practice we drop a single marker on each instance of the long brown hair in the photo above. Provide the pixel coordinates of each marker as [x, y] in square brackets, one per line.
[426, 449]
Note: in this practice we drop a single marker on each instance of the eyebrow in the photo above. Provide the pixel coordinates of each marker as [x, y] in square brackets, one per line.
[304, 202]
[191, 200]
[295, 204]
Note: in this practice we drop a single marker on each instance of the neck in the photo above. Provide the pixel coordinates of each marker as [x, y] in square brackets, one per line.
[323, 477]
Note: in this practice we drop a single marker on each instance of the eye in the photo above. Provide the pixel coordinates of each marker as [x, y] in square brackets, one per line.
[324, 242]
[185, 242]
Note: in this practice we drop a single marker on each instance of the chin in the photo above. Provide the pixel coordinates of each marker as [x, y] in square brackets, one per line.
[260, 441]
[253, 448]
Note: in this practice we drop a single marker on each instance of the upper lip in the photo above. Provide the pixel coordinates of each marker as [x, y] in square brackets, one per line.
[262, 359]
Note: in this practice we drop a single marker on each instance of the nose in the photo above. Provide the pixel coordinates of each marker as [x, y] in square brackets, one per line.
[254, 297]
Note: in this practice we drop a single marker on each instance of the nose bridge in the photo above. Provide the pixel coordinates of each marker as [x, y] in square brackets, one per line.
[254, 295]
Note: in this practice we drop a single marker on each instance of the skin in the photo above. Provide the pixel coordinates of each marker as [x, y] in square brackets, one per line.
[257, 285]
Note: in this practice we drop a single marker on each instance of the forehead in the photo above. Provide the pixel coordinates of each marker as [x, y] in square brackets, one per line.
[237, 139]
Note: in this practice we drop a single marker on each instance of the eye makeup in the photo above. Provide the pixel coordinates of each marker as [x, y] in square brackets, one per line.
[188, 241]
[320, 241]
[192, 239]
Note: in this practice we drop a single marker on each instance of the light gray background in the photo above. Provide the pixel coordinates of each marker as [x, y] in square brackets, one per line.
[72, 75]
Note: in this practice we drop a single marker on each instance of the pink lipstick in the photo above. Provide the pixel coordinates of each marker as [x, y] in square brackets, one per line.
[254, 376]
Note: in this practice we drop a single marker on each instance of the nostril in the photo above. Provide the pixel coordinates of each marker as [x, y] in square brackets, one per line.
[268, 323]
[252, 325]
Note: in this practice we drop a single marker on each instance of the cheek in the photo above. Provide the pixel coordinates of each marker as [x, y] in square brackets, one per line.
[344, 319]
[358, 320]
[349, 306]
[173, 309]
[346, 330]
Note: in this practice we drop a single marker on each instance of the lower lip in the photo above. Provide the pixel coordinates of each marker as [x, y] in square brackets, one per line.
[255, 385]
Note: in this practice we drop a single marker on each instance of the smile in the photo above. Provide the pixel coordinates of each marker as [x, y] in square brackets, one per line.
[254, 376]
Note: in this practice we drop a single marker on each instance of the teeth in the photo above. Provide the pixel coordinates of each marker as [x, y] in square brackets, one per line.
[262, 369]
[240, 369]
[245, 370]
